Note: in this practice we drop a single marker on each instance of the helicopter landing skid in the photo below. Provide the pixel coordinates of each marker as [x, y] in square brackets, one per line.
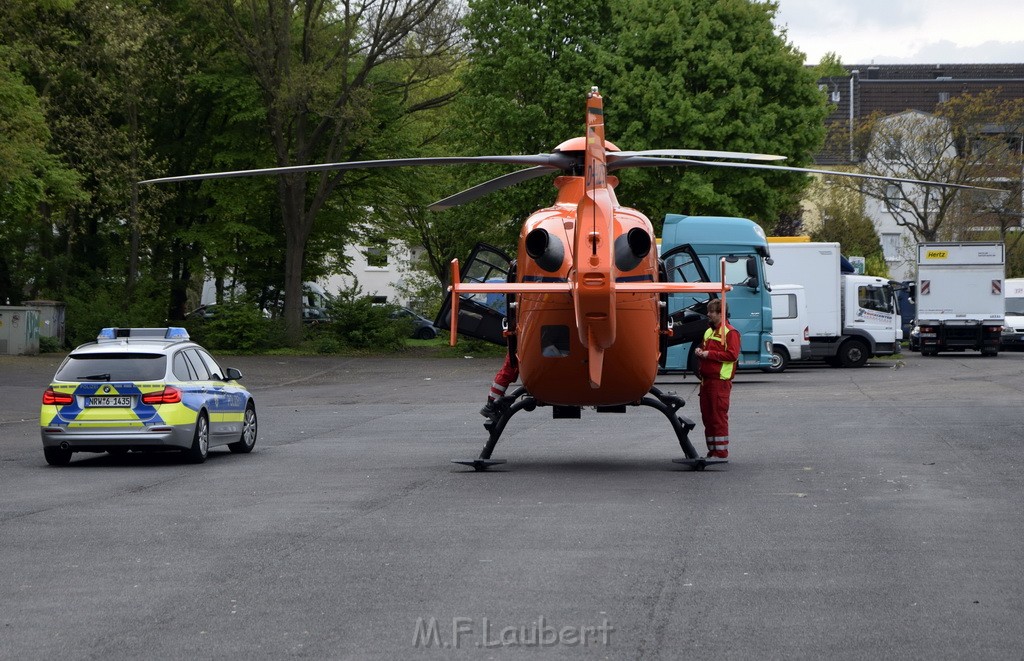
[506, 407]
[670, 405]
[479, 465]
[700, 463]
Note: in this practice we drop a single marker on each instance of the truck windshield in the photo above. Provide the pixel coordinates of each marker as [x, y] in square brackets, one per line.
[1015, 305]
[878, 299]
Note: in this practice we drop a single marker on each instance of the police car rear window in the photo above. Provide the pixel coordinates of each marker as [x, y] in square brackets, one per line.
[113, 367]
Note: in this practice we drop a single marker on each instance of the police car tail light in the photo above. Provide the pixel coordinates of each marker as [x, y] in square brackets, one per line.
[168, 395]
[53, 398]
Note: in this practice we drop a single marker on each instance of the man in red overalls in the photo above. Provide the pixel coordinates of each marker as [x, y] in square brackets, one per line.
[718, 354]
[508, 373]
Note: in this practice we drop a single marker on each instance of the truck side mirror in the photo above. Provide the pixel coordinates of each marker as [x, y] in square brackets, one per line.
[752, 280]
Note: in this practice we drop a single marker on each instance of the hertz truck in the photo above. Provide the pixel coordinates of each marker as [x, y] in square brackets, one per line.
[959, 297]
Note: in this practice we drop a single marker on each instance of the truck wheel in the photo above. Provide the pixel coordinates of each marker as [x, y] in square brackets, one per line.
[853, 353]
[780, 361]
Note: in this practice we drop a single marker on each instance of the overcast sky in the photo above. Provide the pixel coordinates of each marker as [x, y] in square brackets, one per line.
[906, 31]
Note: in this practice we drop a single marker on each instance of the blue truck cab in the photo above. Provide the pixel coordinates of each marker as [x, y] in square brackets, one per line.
[744, 245]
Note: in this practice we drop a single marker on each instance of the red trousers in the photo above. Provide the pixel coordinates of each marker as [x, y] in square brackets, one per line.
[505, 376]
[714, 406]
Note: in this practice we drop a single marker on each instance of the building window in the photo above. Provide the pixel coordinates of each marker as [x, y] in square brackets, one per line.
[893, 149]
[891, 245]
[894, 199]
[377, 255]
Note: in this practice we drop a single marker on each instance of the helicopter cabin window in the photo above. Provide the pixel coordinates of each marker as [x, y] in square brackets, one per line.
[874, 298]
[554, 341]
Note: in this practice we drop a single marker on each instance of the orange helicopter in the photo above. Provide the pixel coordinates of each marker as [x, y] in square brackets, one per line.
[584, 307]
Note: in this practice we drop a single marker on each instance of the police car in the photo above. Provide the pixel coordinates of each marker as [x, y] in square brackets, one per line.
[145, 389]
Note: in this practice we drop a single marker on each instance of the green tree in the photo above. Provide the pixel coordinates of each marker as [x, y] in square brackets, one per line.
[708, 74]
[331, 83]
[34, 185]
[96, 67]
[711, 74]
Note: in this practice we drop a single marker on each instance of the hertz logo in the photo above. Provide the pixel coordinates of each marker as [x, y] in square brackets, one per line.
[937, 254]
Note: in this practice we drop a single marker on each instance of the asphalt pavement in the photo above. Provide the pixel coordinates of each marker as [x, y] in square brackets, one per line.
[865, 513]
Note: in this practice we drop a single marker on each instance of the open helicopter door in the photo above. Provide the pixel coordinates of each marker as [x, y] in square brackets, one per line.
[481, 315]
[687, 312]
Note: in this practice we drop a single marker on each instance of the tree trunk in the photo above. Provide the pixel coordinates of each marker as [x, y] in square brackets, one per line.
[297, 227]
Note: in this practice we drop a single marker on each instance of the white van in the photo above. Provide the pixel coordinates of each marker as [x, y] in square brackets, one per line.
[790, 333]
[1013, 323]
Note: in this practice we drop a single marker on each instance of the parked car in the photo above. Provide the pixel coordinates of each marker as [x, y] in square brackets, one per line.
[915, 338]
[144, 389]
[208, 311]
[422, 328]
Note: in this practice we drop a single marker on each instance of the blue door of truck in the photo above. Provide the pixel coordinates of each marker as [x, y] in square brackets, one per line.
[745, 304]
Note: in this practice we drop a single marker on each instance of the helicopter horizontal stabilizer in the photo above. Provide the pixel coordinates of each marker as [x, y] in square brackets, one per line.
[671, 288]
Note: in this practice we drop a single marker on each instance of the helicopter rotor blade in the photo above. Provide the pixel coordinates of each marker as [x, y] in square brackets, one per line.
[652, 162]
[695, 153]
[490, 186]
[551, 161]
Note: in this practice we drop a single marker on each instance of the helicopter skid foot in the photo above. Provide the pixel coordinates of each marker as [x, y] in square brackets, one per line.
[699, 463]
[479, 465]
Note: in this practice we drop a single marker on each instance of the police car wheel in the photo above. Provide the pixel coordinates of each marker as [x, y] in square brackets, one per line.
[249, 427]
[57, 457]
[200, 441]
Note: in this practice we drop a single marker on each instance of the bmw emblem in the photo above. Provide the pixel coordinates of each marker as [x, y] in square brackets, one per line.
[106, 389]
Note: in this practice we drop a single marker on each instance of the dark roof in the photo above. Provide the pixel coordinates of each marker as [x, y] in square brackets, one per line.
[894, 88]
[933, 71]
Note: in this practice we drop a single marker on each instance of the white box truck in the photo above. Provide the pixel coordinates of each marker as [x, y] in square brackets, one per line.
[850, 317]
[959, 297]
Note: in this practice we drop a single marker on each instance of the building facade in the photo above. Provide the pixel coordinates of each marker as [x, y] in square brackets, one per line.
[909, 94]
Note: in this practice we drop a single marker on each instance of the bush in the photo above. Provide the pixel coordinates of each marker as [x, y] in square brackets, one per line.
[48, 344]
[359, 324]
[238, 327]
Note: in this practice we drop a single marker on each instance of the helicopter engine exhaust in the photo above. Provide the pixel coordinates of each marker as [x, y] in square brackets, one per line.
[631, 248]
[545, 249]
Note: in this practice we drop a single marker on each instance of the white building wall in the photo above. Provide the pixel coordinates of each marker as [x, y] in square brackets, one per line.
[378, 281]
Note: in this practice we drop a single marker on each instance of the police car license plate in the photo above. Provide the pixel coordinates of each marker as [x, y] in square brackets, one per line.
[125, 402]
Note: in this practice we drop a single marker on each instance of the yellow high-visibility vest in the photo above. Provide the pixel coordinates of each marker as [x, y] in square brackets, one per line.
[728, 366]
